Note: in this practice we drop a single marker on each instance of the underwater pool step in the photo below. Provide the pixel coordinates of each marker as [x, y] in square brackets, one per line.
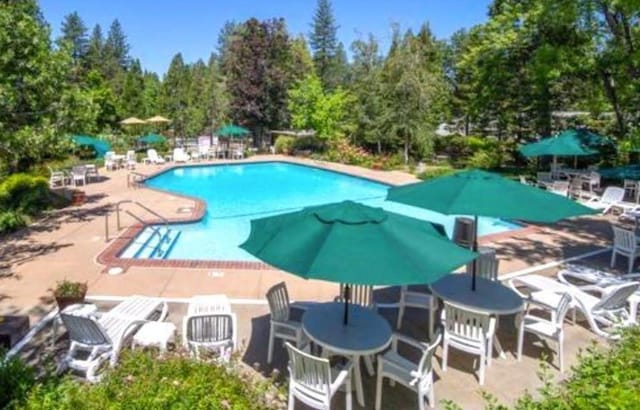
[138, 244]
[164, 248]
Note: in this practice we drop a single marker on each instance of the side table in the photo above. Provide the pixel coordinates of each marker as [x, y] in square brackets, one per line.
[158, 334]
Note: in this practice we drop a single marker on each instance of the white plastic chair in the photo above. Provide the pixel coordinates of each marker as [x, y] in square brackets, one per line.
[486, 264]
[153, 157]
[631, 187]
[626, 244]
[131, 160]
[415, 376]
[57, 179]
[559, 188]
[611, 197]
[109, 161]
[523, 180]
[361, 295]
[92, 172]
[78, 175]
[205, 304]
[313, 381]
[544, 179]
[591, 180]
[281, 325]
[469, 331]
[180, 156]
[419, 300]
[211, 331]
[550, 329]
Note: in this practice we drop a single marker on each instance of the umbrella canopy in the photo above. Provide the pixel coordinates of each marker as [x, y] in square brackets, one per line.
[480, 193]
[101, 147]
[572, 142]
[158, 119]
[624, 172]
[132, 121]
[233, 131]
[152, 139]
[354, 243]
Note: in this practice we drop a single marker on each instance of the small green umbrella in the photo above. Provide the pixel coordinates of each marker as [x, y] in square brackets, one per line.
[480, 193]
[569, 143]
[152, 139]
[233, 131]
[101, 147]
[354, 243]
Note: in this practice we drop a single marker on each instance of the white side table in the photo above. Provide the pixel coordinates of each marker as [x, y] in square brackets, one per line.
[157, 334]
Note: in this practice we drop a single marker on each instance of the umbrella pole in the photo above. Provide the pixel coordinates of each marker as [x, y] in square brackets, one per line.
[347, 295]
[475, 249]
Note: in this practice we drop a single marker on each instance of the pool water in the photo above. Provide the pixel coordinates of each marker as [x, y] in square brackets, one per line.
[237, 193]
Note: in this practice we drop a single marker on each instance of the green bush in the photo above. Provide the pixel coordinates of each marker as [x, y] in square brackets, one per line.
[284, 144]
[11, 221]
[142, 381]
[310, 143]
[435, 172]
[16, 379]
[24, 193]
[485, 159]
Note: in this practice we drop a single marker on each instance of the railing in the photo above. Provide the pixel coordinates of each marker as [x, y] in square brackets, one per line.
[164, 220]
[134, 179]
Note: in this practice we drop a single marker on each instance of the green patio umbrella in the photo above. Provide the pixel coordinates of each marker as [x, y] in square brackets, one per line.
[152, 139]
[101, 147]
[480, 193]
[569, 143]
[354, 243]
[233, 131]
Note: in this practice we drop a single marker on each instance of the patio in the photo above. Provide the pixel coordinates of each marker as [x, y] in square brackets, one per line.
[66, 245]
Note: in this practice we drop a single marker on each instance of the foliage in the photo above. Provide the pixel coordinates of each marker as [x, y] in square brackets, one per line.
[24, 193]
[324, 45]
[143, 381]
[16, 379]
[284, 144]
[435, 172]
[11, 221]
[70, 289]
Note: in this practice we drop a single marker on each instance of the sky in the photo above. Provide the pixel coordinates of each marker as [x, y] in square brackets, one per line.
[158, 29]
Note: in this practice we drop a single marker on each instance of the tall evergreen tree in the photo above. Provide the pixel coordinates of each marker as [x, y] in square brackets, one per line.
[324, 43]
[95, 49]
[74, 32]
[174, 93]
[116, 47]
[132, 97]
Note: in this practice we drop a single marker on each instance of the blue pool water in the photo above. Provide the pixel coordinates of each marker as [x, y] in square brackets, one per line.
[235, 194]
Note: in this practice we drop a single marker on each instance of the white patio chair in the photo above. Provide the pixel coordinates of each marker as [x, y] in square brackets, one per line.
[211, 331]
[205, 304]
[559, 188]
[110, 162]
[358, 295]
[96, 340]
[631, 188]
[550, 329]
[626, 244]
[591, 180]
[486, 263]
[282, 326]
[92, 172]
[523, 180]
[314, 382]
[612, 196]
[78, 175]
[57, 179]
[180, 156]
[469, 331]
[418, 300]
[604, 314]
[153, 157]
[130, 160]
[415, 376]
[544, 179]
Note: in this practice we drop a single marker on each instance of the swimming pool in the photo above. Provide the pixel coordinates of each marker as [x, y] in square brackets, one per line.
[237, 193]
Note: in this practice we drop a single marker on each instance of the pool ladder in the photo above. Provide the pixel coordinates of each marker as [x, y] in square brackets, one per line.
[156, 231]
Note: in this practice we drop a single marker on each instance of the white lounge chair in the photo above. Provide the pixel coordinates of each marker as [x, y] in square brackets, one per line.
[418, 300]
[469, 331]
[313, 381]
[211, 331]
[103, 336]
[180, 156]
[415, 376]
[153, 157]
[611, 197]
[550, 329]
[604, 314]
[625, 243]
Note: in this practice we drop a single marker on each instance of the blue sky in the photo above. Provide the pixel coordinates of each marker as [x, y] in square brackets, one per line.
[159, 29]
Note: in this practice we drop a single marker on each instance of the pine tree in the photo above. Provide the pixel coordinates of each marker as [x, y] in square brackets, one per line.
[95, 49]
[74, 32]
[116, 46]
[323, 41]
[131, 99]
[174, 93]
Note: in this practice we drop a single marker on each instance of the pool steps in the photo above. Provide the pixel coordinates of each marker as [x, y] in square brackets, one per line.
[151, 245]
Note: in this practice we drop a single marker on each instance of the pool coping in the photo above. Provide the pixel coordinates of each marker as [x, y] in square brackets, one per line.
[109, 257]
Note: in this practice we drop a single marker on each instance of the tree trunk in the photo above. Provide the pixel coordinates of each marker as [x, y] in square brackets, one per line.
[379, 144]
[406, 150]
[612, 95]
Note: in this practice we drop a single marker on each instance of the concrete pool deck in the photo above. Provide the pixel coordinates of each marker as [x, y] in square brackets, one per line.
[67, 244]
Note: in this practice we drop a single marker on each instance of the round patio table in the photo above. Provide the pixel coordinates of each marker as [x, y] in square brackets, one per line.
[490, 297]
[366, 333]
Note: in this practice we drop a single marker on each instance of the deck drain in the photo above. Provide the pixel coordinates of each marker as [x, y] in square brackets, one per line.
[216, 274]
[185, 210]
[116, 270]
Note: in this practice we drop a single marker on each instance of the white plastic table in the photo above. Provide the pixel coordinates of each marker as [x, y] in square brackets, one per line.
[366, 333]
[490, 297]
[157, 334]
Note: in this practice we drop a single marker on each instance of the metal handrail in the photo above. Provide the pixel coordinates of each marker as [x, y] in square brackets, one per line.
[155, 230]
[164, 220]
[135, 176]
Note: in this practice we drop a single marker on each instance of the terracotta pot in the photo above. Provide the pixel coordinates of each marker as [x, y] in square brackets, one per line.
[68, 301]
[78, 198]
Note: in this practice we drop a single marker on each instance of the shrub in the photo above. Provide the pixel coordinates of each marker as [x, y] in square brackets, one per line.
[16, 379]
[435, 172]
[11, 221]
[284, 144]
[142, 381]
[485, 159]
[310, 143]
[24, 193]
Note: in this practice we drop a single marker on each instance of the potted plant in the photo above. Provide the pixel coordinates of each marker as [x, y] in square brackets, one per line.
[68, 293]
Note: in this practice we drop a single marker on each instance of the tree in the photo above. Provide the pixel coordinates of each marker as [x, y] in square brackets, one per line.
[95, 49]
[131, 100]
[302, 61]
[324, 43]
[174, 93]
[75, 33]
[116, 51]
